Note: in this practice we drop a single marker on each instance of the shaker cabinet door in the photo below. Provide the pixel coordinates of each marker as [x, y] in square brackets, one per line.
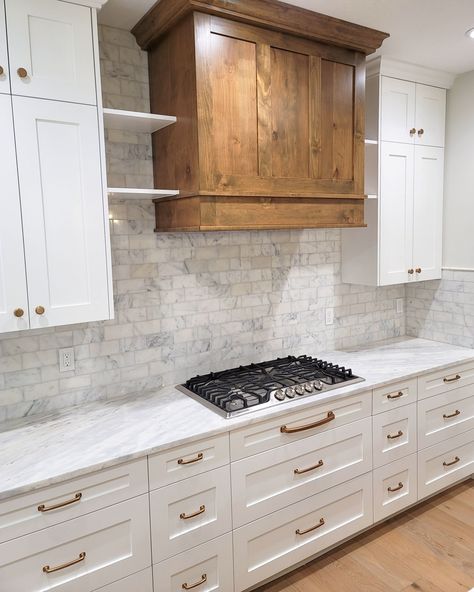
[13, 295]
[51, 50]
[398, 110]
[430, 115]
[63, 211]
[4, 70]
[428, 212]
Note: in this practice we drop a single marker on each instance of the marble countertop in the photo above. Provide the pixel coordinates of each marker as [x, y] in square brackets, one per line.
[43, 451]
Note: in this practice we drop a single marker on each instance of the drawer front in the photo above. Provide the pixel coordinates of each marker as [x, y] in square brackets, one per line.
[97, 548]
[268, 435]
[446, 415]
[445, 463]
[204, 568]
[445, 380]
[40, 509]
[395, 487]
[139, 582]
[395, 395]
[190, 512]
[268, 482]
[180, 463]
[272, 544]
[394, 434]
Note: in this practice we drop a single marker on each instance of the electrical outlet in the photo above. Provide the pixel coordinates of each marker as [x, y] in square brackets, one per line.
[329, 316]
[66, 359]
[399, 305]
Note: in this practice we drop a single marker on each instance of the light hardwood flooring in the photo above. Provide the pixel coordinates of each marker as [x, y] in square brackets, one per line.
[429, 548]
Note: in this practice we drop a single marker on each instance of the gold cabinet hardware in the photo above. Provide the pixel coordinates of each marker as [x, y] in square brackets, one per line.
[40, 310]
[453, 462]
[421, 131]
[203, 580]
[2, 71]
[286, 430]
[411, 271]
[455, 414]
[22, 72]
[392, 489]
[394, 436]
[320, 523]
[18, 312]
[413, 131]
[74, 500]
[395, 396]
[302, 471]
[48, 569]
[197, 458]
[418, 270]
[185, 516]
[448, 379]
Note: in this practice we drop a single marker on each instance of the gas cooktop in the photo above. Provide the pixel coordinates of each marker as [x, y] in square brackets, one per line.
[253, 387]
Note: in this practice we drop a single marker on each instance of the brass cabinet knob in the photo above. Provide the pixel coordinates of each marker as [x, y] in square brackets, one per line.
[411, 271]
[421, 132]
[413, 131]
[18, 312]
[418, 270]
[40, 310]
[2, 71]
[22, 72]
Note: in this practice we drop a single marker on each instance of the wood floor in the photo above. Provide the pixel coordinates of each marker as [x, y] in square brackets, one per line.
[427, 549]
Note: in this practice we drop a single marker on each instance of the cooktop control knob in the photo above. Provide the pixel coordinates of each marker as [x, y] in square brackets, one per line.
[290, 392]
[279, 395]
[318, 385]
[308, 387]
[299, 389]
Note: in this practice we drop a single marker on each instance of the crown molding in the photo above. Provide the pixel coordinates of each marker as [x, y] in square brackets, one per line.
[385, 66]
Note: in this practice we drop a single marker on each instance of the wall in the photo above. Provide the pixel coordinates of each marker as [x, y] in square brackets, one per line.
[188, 303]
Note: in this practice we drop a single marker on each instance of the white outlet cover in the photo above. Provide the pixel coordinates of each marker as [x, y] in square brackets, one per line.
[329, 316]
[67, 363]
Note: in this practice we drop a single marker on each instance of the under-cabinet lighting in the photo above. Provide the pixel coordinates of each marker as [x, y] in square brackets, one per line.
[470, 33]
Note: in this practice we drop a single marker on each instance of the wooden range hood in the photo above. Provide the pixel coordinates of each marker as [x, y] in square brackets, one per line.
[270, 106]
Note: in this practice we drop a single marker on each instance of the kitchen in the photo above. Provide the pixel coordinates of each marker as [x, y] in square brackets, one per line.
[264, 121]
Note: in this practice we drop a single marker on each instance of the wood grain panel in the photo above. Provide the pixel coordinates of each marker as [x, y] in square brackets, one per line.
[290, 113]
[264, 99]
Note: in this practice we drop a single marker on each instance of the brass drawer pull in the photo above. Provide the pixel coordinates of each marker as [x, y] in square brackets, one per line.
[185, 516]
[397, 396]
[394, 436]
[48, 569]
[421, 132]
[74, 500]
[196, 459]
[191, 586]
[2, 71]
[301, 532]
[413, 131]
[452, 378]
[453, 462]
[399, 486]
[18, 312]
[286, 430]
[455, 414]
[22, 72]
[302, 471]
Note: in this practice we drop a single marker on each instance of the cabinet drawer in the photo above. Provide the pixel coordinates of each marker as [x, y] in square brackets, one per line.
[207, 567]
[82, 554]
[33, 511]
[392, 396]
[267, 482]
[180, 463]
[395, 487]
[140, 582]
[394, 434]
[190, 512]
[445, 416]
[272, 544]
[445, 380]
[267, 435]
[445, 463]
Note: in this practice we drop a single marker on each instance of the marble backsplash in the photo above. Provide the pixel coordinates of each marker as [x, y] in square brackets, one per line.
[188, 303]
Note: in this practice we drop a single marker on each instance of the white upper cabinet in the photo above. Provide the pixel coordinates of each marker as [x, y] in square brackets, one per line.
[63, 214]
[13, 295]
[398, 99]
[430, 115]
[51, 50]
[4, 70]
[428, 212]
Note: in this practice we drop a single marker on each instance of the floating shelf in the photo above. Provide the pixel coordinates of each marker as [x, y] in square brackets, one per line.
[372, 196]
[133, 121]
[372, 142]
[127, 193]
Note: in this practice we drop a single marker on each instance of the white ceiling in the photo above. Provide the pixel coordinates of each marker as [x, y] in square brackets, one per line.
[425, 32]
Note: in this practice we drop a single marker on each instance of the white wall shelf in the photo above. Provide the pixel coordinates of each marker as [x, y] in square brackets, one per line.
[128, 193]
[372, 142]
[133, 121]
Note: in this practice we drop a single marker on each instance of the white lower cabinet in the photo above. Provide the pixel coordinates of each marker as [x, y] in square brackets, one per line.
[394, 434]
[274, 479]
[445, 463]
[276, 542]
[395, 487]
[80, 555]
[139, 582]
[190, 512]
[206, 568]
